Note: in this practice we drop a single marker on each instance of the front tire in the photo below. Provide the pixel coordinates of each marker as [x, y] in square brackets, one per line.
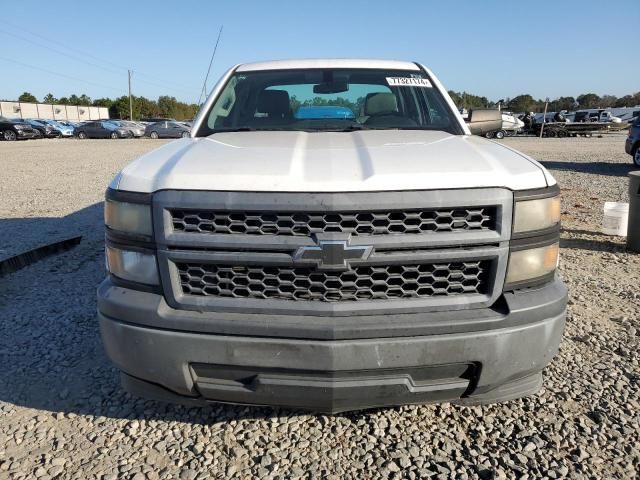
[489, 135]
[636, 156]
[500, 134]
[185, 135]
[9, 135]
[154, 135]
[82, 135]
[113, 135]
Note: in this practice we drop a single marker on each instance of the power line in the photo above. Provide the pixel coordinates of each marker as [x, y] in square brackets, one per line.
[167, 85]
[73, 57]
[48, 39]
[59, 74]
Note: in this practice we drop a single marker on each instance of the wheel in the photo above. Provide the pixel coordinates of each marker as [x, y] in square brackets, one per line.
[185, 135]
[550, 133]
[489, 134]
[587, 135]
[82, 135]
[9, 135]
[636, 156]
[154, 135]
[562, 133]
[500, 134]
[114, 135]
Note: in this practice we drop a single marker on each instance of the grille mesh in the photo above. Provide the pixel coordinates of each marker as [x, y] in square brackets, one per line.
[360, 283]
[355, 223]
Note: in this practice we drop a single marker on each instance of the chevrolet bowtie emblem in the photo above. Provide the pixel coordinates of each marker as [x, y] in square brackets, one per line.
[331, 254]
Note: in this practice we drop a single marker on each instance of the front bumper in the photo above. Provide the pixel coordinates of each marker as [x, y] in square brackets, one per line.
[427, 357]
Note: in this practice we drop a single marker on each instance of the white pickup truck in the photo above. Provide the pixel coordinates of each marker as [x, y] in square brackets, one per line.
[331, 237]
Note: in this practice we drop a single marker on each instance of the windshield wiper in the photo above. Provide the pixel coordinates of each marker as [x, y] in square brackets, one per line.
[351, 128]
[233, 129]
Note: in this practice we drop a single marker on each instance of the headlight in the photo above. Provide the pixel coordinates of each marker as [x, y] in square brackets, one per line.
[533, 263]
[128, 217]
[539, 214]
[132, 265]
[19, 126]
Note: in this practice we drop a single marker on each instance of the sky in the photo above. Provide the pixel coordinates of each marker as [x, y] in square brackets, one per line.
[489, 48]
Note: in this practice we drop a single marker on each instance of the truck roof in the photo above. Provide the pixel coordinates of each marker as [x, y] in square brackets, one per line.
[328, 63]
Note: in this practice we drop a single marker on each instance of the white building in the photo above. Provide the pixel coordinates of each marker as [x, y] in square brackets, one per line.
[46, 111]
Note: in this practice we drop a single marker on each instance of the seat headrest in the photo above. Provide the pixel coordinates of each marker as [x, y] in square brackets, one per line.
[274, 102]
[380, 103]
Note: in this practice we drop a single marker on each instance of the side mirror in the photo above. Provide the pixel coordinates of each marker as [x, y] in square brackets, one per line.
[483, 120]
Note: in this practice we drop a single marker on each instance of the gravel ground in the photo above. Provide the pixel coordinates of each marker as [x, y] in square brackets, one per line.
[63, 414]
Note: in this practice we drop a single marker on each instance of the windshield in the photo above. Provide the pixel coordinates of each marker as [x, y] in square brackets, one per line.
[329, 100]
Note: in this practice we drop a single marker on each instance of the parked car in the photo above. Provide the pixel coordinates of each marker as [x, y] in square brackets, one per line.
[101, 129]
[150, 120]
[632, 144]
[388, 259]
[44, 128]
[68, 123]
[65, 130]
[167, 130]
[15, 130]
[136, 129]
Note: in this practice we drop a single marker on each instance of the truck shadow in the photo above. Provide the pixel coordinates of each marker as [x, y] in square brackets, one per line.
[595, 241]
[50, 349]
[596, 168]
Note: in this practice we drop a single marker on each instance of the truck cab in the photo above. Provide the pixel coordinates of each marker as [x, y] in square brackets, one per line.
[331, 237]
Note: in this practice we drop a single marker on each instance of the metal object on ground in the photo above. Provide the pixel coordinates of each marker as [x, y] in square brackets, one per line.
[15, 263]
[633, 232]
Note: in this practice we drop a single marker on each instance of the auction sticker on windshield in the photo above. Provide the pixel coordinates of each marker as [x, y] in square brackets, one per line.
[408, 82]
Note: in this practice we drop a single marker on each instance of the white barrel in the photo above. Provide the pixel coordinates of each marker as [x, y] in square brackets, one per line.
[616, 216]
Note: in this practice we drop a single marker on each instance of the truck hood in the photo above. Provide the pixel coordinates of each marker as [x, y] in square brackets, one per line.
[332, 162]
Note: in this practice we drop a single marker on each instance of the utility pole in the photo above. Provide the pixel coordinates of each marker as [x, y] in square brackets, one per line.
[544, 116]
[130, 104]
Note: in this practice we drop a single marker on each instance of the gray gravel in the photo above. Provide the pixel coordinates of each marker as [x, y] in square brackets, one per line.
[63, 414]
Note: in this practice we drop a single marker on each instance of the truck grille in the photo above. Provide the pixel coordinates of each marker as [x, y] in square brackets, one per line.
[361, 283]
[355, 223]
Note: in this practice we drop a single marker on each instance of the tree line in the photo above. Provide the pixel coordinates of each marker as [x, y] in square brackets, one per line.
[527, 103]
[169, 107]
[165, 106]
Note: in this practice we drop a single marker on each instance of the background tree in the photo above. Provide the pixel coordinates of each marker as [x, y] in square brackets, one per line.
[102, 102]
[522, 103]
[588, 100]
[608, 101]
[27, 97]
[562, 103]
[49, 98]
[469, 100]
[84, 100]
[628, 100]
